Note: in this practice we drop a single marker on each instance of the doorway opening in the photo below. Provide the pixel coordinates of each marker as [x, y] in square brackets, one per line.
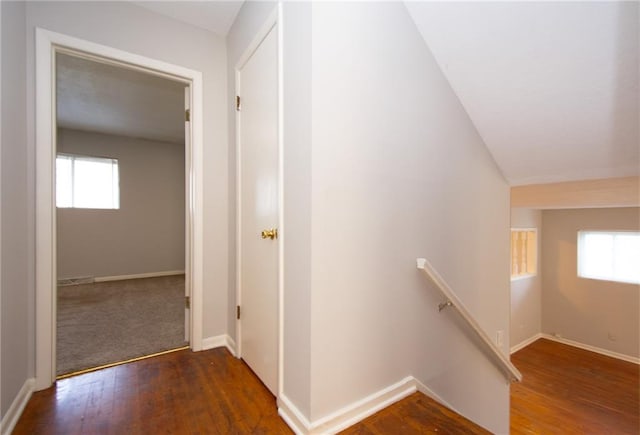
[50, 47]
[120, 214]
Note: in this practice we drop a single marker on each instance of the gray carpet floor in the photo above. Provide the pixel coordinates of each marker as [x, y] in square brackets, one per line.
[109, 322]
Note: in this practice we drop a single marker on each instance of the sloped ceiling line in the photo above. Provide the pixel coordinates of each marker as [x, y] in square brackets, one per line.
[552, 87]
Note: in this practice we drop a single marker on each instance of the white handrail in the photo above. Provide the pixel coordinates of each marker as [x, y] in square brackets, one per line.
[511, 372]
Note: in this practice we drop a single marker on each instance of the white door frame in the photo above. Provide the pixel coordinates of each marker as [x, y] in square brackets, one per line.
[275, 19]
[47, 44]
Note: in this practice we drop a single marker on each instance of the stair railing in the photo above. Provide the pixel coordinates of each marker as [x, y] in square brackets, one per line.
[510, 371]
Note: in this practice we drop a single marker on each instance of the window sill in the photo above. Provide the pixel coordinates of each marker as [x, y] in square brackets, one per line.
[521, 277]
[610, 280]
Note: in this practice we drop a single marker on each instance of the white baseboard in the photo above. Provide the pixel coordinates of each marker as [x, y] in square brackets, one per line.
[138, 275]
[15, 410]
[223, 340]
[588, 347]
[231, 345]
[298, 423]
[577, 344]
[64, 282]
[525, 343]
[347, 416]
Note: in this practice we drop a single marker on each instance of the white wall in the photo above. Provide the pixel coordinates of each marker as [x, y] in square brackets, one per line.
[382, 165]
[131, 28]
[16, 354]
[526, 293]
[146, 234]
[1, 390]
[588, 311]
[297, 181]
[399, 172]
[298, 200]
[126, 27]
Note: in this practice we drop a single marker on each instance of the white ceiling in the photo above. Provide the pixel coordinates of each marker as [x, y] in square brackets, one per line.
[551, 87]
[103, 98]
[215, 16]
[106, 99]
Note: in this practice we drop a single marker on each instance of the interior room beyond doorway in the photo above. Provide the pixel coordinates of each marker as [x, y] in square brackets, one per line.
[120, 208]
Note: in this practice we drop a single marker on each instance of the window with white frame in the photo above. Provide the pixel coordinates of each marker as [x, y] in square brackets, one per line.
[524, 252]
[87, 182]
[609, 255]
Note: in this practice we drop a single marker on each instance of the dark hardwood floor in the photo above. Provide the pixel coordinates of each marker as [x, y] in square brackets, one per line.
[183, 392]
[416, 414]
[565, 390]
[572, 391]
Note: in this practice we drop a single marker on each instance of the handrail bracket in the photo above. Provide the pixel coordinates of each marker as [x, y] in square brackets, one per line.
[452, 300]
[444, 305]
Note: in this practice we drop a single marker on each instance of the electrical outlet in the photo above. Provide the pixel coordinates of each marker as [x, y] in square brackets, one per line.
[612, 337]
[500, 337]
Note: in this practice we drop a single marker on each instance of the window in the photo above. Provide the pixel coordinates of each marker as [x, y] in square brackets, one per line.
[87, 182]
[609, 255]
[524, 252]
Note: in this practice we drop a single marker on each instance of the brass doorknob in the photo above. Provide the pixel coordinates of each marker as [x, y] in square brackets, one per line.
[270, 234]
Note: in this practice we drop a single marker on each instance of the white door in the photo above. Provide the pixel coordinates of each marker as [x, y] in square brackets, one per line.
[258, 196]
[187, 215]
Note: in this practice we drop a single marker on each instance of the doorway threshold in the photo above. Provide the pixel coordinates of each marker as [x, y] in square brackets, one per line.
[106, 366]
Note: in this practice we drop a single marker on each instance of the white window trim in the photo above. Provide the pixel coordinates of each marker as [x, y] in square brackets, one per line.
[578, 256]
[524, 276]
[73, 157]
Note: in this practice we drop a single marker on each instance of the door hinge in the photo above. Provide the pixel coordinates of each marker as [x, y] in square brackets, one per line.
[238, 103]
[187, 115]
[238, 312]
[187, 302]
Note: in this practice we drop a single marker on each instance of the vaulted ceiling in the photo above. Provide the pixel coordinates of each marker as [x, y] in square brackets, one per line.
[552, 87]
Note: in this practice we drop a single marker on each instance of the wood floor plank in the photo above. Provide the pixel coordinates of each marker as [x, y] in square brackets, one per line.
[565, 391]
[570, 390]
[415, 414]
[208, 392]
